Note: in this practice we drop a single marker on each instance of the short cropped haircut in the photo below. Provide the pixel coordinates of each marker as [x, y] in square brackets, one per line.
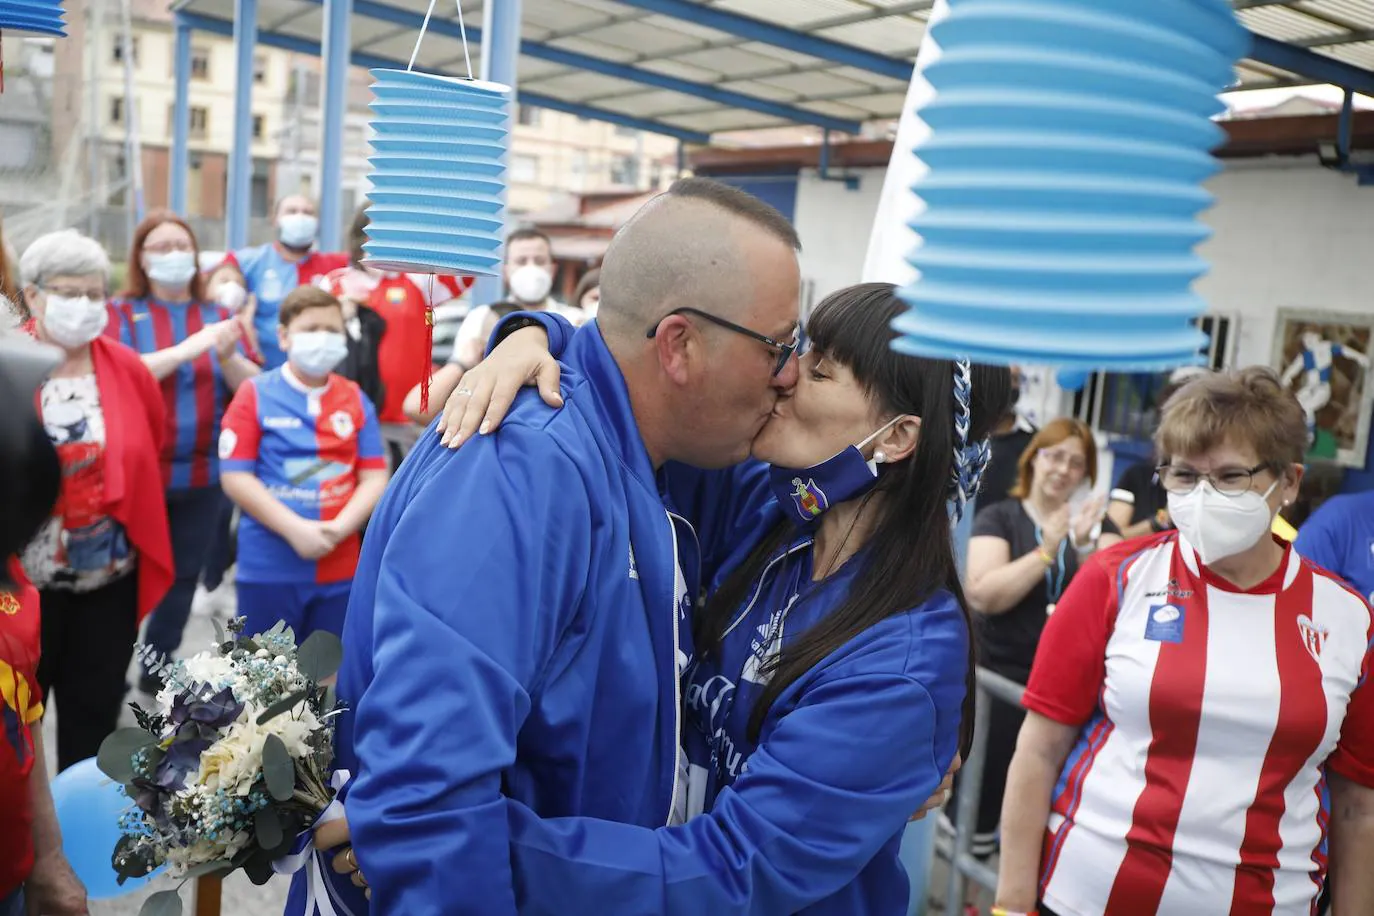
[529, 232]
[1048, 436]
[1247, 408]
[302, 298]
[741, 204]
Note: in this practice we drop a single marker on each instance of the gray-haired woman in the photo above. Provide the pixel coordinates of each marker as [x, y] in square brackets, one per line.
[103, 559]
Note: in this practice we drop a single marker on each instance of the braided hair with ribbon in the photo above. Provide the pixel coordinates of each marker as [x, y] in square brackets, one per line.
[970, 457]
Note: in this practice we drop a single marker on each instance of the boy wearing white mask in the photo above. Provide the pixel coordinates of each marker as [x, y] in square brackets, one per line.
[273, 270]
[302, 456]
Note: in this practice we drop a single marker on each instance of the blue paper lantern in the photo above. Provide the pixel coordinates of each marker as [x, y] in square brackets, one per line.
[1068, 144]
[438, 180]
[35, 17]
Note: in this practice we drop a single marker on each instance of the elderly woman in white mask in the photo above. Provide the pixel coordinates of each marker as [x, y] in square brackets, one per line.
[1200, 726]
[103, 559]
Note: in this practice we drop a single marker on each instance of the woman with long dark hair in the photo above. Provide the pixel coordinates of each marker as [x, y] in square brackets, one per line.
[192, 346]
[833, 677]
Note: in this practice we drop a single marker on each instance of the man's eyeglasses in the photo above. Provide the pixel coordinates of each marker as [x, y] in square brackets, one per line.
[1227, 481]
[785, 350]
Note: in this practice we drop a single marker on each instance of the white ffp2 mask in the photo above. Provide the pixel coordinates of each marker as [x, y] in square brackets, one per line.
[1220, 526]
[531, 284]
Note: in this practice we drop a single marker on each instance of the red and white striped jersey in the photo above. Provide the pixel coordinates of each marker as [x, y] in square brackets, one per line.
[1209, 718]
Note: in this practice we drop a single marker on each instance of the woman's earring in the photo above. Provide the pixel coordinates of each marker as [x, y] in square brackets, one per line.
[880, 457]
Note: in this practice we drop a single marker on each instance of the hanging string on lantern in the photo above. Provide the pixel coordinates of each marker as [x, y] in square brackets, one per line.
[439, 166]
[1069, 142]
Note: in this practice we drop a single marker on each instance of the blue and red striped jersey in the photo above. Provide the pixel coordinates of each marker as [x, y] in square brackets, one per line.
[195, 393]
[306, 446]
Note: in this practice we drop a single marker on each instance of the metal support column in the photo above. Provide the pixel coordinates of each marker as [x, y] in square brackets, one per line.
[181, 118]
[500, 54]
[335, 110]
[681, 158]
[238, 206]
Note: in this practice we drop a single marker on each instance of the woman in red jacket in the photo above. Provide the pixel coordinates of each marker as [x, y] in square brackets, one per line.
[103, 559]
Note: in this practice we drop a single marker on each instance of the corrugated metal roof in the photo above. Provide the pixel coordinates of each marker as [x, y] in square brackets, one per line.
[688, 40]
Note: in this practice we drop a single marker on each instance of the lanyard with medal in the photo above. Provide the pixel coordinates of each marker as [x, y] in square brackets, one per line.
[1055, 570]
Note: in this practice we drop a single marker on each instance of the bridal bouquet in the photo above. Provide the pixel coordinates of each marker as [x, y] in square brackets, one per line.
[231, 764]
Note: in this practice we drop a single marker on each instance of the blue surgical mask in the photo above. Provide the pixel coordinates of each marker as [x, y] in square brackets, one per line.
[174, 268]
[317, 353]
[297, 230]
[806, 493]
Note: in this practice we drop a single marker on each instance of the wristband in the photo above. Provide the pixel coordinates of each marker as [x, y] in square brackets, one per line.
[510, 326]
[1045, 555]
[1003, 911]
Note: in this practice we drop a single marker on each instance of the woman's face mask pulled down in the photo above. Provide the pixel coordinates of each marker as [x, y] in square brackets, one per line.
[825, 440]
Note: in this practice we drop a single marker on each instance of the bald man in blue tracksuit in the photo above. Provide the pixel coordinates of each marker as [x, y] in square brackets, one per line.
[518, 622]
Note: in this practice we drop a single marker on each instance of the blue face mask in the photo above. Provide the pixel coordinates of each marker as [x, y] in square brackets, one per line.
[806, 493]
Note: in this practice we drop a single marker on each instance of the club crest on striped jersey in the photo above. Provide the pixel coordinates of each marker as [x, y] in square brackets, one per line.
[1314, 636]
[341, 423]
[810, 498]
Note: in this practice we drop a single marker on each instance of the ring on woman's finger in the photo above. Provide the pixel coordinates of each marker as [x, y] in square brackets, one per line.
[350, 858]
[465, 392]
[358, 880]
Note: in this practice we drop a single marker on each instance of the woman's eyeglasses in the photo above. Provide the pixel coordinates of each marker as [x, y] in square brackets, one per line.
[785, 350]
[1064, 460]
[1226, 481]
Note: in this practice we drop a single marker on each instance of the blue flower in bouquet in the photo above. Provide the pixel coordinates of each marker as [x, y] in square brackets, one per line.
[182, 758]
[215, 712]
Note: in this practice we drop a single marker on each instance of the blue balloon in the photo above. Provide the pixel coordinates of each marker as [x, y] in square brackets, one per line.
[88, 805]
[1072, 379]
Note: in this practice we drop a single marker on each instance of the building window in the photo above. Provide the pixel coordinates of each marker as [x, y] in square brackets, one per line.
[259, 69]
[117, 110]
[524, 169]
[118, 180]
[257, 127]
[200, 122]
[200, 63]
[117, 49]
[528, 115]
[259, 200]
[625, 171]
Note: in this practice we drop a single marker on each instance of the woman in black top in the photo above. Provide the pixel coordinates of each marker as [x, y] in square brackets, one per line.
[1023, 553]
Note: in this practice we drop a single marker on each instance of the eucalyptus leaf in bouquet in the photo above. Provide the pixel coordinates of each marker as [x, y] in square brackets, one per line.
[231, 764]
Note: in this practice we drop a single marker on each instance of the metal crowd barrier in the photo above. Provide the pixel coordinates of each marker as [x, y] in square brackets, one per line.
[963, 867]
